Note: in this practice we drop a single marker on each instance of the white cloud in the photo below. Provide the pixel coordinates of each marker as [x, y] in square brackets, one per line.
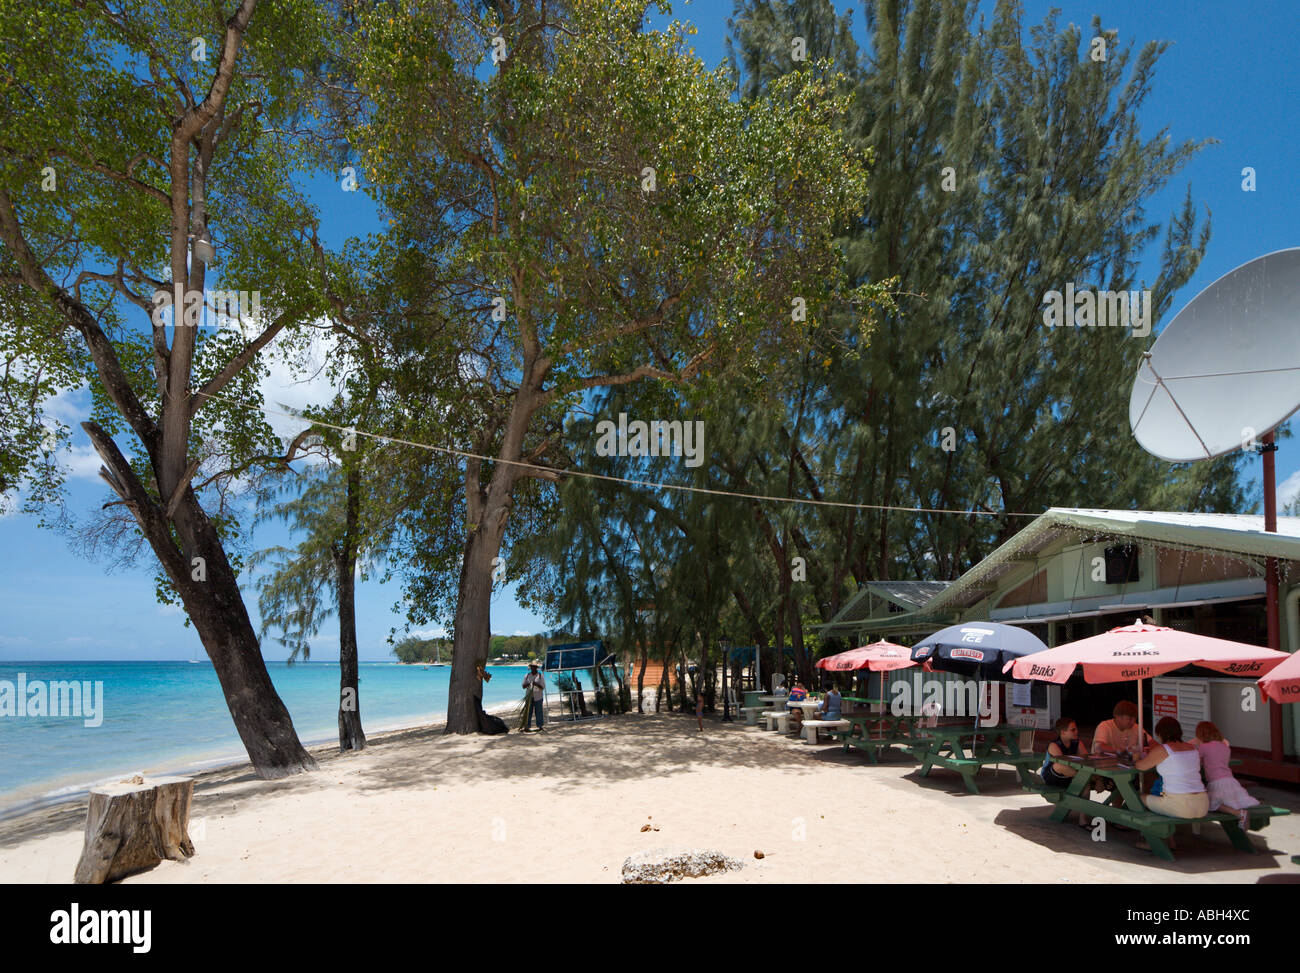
[1288, 491]
[82, 463]
[69, 406]
[291, 387]
[523, 633]
[431, 633]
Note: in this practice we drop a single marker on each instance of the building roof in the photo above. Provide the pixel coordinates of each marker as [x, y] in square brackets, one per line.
[1229, 533]
[908, 595]
[1241, 534]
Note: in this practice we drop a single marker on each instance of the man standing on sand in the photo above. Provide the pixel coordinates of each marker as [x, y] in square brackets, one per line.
[538, 684]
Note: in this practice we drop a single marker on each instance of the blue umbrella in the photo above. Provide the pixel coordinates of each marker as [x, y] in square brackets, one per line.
[978, 649]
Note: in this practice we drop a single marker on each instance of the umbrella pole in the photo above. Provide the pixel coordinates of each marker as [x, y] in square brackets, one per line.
[1142, 737]
[884, 702]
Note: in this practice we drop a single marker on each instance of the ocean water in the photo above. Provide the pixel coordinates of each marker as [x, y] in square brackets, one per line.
[160, 717]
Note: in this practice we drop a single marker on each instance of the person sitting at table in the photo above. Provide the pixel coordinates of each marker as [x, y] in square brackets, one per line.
[1065, 744]
[798, 694]
[1121, 734]
[1179, 767]
[830, 707]
[1226, 792]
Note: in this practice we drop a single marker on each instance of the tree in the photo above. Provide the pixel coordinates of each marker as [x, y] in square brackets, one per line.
[1049, 177]
[144, 151]
[1004, 170]
[598, 211]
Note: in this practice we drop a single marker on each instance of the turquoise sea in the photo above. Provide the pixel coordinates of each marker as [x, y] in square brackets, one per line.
[163, 717]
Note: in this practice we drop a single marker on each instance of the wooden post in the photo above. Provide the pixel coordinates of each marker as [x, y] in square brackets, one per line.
[133, 825]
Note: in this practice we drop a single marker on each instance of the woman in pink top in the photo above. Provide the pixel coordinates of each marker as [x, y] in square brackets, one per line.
[1226, 791]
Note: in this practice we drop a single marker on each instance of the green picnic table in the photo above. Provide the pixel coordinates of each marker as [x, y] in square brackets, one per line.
[1133, 813]
[874, 732]
[945, 746]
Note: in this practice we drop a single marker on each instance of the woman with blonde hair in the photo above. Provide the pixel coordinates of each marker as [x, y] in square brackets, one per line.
[1226, 792]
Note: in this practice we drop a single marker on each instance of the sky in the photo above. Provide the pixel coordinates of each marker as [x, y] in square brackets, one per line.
[1230, 74]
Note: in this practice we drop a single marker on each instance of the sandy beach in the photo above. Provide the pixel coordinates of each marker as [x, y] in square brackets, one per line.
[569, 806]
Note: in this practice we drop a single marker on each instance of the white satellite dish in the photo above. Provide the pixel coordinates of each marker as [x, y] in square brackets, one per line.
[1226, 370]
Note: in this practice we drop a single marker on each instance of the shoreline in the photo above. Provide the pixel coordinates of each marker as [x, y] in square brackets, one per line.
[209, 767]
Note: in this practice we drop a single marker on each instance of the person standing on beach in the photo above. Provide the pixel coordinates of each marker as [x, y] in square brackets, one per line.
[538, 684]
[699, 708]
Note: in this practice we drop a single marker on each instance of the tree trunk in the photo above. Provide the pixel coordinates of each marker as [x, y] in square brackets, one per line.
[133, 825]
[209, 590]
[640, 676]
[216, 607]
[778, 640]
[351, 735]
[473, 626]
[801, 661]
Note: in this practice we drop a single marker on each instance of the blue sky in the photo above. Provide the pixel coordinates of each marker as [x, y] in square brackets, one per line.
[1230, 75]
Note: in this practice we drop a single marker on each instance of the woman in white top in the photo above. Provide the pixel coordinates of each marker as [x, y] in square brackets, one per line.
[1179, 767]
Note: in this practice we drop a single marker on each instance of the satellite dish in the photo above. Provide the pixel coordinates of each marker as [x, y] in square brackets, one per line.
[1226, 369]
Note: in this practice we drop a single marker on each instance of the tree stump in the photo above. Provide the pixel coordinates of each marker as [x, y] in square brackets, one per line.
[133, 825]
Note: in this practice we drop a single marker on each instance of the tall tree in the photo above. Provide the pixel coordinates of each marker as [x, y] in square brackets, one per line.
[146, 149]
[599, 211]
[1004, 168]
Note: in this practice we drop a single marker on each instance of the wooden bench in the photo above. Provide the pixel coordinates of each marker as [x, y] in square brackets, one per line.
[810, 728]
[751, 714]
[1155, 828]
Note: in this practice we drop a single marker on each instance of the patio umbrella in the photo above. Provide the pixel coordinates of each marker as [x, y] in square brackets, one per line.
[1282, 685]
[980, 649]
[879, 656]
[1140, 652]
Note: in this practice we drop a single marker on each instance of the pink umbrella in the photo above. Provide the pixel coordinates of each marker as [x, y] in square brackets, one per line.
[1141, 652]
[1282, 685]
[877, 657]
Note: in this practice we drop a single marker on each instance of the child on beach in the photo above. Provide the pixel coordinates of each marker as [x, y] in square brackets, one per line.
[1226, 792]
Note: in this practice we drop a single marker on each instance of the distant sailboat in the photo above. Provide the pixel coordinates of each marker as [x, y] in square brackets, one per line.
[437, 656]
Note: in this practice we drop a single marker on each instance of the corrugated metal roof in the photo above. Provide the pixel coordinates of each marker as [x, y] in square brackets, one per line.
[1242, 534]
[1231, 533]
[910, 594]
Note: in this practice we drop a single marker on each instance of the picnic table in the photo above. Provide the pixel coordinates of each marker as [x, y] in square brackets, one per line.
[1154, 828]
[946, 746]
[807, 710]
[873, 733]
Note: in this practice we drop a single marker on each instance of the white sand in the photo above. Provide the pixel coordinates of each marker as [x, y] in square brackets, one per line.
[568, 806]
